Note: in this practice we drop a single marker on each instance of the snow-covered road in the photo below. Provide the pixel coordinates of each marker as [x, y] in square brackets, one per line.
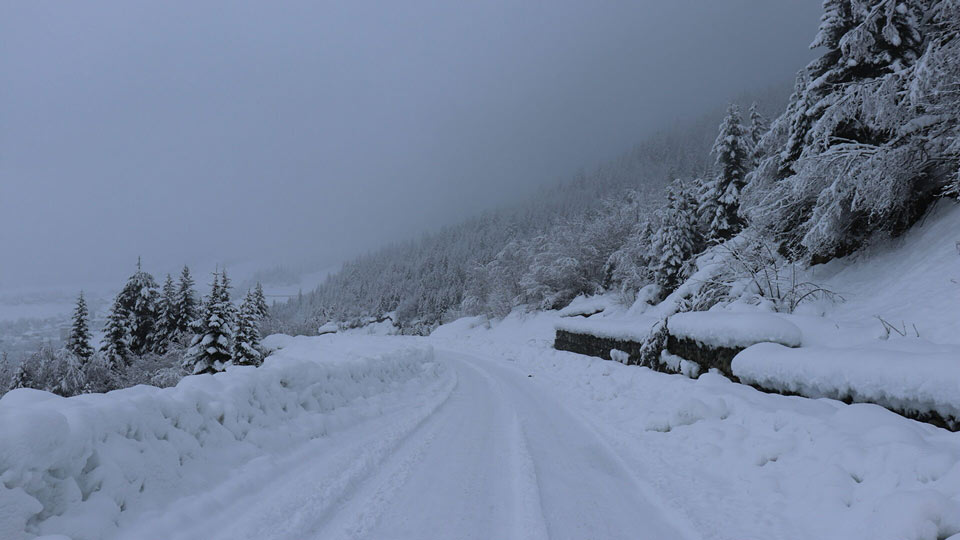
[488, 434]
[497, 455]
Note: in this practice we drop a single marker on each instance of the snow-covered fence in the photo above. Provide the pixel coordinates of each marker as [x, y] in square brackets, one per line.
[75, 464]
[923, 384]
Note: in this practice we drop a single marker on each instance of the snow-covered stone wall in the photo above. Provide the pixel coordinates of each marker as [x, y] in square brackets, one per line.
[921, 381]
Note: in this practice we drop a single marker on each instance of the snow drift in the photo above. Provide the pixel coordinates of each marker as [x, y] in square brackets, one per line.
[75, 465]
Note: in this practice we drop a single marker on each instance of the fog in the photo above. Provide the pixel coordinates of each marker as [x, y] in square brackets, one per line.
[293, 132]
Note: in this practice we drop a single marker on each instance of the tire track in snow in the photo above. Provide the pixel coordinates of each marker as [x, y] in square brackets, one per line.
[303, 488]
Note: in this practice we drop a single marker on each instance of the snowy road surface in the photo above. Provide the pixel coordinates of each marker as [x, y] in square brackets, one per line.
[498, 457]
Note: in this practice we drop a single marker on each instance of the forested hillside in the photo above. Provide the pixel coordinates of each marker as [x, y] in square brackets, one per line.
[868, 140]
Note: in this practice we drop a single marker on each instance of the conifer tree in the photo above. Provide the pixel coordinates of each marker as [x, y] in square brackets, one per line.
[79, 341]
[722, 194]
[165, 330]
[116, 341]
[261, 301]
[229, 309]
[186, 302]
[246, 347]
[21, 379]
[674, 243]
[211, 347]
[139, 298]
[758, 126]
[837, 20]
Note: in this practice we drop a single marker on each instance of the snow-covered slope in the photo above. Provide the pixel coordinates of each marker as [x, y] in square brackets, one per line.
[911, 281]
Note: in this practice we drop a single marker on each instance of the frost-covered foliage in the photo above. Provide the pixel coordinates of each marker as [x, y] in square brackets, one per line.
[186, 302]
[866, 143]
[246, 346]
[869, 137]
[77, 368]
[78, 343]
[260, 301]
[115, 347]
[211, 347]
[573, 239]
[139, 300]
[720, 196]
[165, 329]
[753, 272]
[654, 345]
[677, 238]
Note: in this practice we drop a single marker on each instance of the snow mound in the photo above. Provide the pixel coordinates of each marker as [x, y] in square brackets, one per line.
[585, 306]
[80, 465]
[734, 330]
[460, 327]
[920, 378]
[635, 329]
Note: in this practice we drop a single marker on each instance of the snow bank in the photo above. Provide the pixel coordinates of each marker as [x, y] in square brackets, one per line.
[460, 327]
[635, 329]
[747, 464]
[733, 330]
[915, 381]
[585, 306]
[80, 465]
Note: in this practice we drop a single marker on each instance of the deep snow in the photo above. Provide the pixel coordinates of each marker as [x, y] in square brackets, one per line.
[482, 430]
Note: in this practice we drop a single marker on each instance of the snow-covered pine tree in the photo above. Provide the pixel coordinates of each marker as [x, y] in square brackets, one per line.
[116, 340]
[211, 347]
[78, 343]
[758, 126]
[228, 307]
[674, 243]
[246, 345]
[165, 330]
[721, 196]
[862, 138]
[139, 298]
[21, 378]
[186, 302]
[261, 301]
[837, 20]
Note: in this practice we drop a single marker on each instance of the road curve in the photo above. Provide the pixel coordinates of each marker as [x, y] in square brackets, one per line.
[498, 457]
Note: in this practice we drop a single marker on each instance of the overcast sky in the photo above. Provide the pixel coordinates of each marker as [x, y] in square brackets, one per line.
[289, 131]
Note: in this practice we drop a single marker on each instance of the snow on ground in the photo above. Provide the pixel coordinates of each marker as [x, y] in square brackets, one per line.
[742, 464]
[84, 465]
[496, 435]
[924, 379]
[909, 281]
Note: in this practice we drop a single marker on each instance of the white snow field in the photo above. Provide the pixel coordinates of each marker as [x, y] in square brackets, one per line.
[481, 432]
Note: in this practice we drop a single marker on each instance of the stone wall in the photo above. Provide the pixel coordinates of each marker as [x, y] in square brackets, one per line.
[719, 358]
[707, 357]
[596, 346]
